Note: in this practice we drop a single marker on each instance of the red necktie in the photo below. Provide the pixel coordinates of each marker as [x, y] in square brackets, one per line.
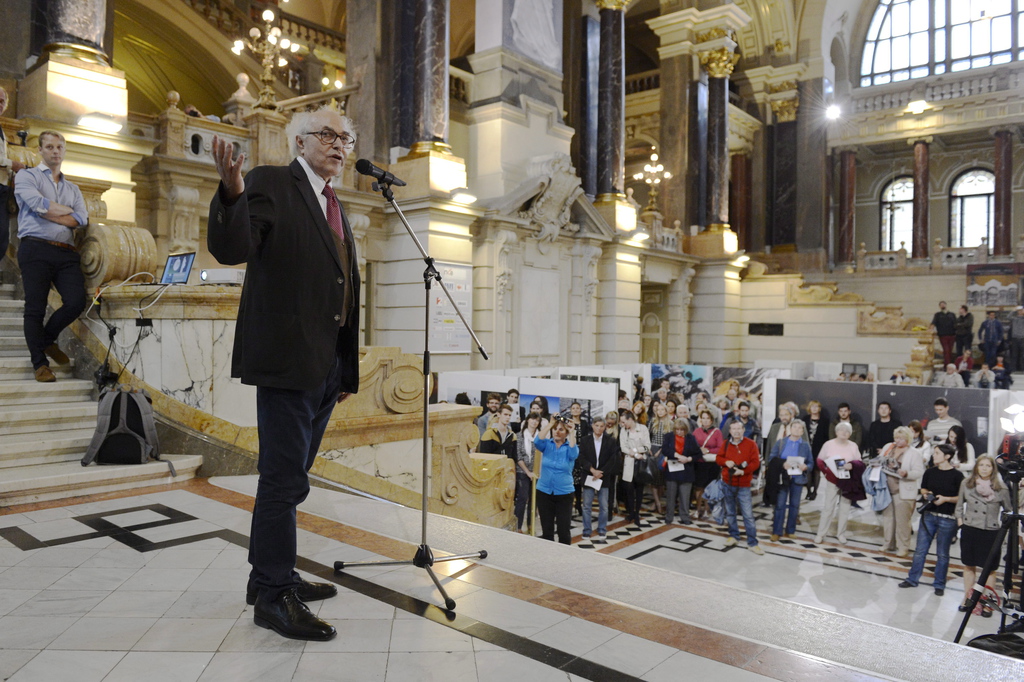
[334, 213]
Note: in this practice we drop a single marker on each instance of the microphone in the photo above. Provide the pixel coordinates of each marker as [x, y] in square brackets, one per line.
[366, 168]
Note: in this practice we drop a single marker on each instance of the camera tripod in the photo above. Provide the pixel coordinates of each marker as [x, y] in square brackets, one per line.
[1008, 530]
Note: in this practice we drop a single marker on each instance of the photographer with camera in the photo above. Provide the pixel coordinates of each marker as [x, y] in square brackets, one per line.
[940, 488]
[554, 487]
[983, 497]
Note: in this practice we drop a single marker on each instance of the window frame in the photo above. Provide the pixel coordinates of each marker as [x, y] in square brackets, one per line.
[990, 234]
[882, 211]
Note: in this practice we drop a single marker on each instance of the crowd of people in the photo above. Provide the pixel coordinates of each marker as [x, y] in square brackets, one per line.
[676, 448]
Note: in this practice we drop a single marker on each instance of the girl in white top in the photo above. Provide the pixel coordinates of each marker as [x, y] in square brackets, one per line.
[964, 458]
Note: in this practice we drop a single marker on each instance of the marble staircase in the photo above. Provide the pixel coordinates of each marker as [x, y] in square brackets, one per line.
[46, 428]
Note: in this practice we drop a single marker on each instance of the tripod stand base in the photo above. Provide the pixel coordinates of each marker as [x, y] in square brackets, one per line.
[424, 558]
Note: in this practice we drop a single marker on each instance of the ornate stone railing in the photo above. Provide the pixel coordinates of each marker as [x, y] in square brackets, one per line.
[942, 88]
[642, 82]
[959, 257]
[460, 85]
[335, 97]
[881, 260]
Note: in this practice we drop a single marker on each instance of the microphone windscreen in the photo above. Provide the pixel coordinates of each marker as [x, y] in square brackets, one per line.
[364, 167]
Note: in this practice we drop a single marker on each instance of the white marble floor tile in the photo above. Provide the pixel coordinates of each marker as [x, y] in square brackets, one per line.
[349, 604]
[416, 583]
[508, 613]
[697, 668]
[118, 556]
[575, 636]
[347, 667]
[232, 557]
[57, 529]
[328, 556]
[31, 577]
[221, 580]
[159, 666]
[134, 518]
[13, 659]
[11, 556]
[32, 632]
[177, 530]
[52, 514]
[359, 636]
[11, 520]
[481, 645]
[630, 654]
[103, 633]
[183, 558]
[247, 636]
[425, 635]
[250, 667]
[209, 604]
[59, 556]
[162, 578]
[83, 578]
[12, 599]
[68, 666]
[506, 666]
[185, 634]
[218, 544]
[136, 603]
[432, 666]
[60, 603]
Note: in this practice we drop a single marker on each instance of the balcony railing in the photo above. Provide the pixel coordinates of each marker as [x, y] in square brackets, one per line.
[641, 82]
[942, 88]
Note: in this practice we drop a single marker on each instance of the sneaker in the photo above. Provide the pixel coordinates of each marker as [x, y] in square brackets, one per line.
[731, 542]
[774, 537]
[602, 538]
[819, 539]
[756, 549]
[842, 540]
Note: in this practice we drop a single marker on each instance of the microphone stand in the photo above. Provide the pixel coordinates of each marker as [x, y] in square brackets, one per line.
[424, 557]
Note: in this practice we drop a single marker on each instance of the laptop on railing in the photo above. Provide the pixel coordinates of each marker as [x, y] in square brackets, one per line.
[178, 268]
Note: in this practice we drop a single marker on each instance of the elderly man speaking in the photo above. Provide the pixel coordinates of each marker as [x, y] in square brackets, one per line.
[296, 339]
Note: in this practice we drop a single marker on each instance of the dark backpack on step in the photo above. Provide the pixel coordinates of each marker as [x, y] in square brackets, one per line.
[125, 429]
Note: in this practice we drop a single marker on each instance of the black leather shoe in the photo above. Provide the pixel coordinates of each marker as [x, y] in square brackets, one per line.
[906, 583]
[306, 591]
[289, 617]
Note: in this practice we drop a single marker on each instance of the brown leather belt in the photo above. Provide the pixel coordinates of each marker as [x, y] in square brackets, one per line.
[62, 245]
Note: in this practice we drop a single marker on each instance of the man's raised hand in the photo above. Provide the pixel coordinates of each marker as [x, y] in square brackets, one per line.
[230, 171]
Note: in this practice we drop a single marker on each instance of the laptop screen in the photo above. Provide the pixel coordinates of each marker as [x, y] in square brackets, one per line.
[178, 267]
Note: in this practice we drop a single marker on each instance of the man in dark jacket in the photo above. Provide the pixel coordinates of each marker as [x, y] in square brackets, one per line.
[964, 329]
[990, 335]
[498, 438]
[881, 430]
[296, 339]
[944, 326]
[600, 459]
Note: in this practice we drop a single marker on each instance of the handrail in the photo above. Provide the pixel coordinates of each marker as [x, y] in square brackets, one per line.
[340, 94]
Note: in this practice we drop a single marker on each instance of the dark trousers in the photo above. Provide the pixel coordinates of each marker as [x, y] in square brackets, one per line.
[947, 349]
[634, 500]
[1017, 351]
[963, 342]
[43, 264]
[291, 425]
[524, 490]
[555, 512]
[5, 222]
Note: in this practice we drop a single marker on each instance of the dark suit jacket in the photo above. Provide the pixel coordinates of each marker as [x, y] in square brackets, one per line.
[292, 303]
[610, 459]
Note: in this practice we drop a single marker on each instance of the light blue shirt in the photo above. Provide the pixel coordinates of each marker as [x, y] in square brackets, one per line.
[35, 189]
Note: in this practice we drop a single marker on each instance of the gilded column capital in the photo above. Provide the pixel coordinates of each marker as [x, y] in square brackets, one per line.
[618, 5]
[715, 34]
[719, 62]
[785, 109]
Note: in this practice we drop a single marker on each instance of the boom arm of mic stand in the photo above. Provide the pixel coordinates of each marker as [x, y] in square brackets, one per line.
[385, 190]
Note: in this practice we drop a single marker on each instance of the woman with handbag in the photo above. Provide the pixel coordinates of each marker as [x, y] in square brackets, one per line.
[982, 499]
[940, 488]
[554, 488]
[903, 467]
[710, 441]
[660, 427]
[635, 445]
[680, 454]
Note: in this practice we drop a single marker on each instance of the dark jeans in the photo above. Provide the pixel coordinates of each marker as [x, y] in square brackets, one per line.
[963, 342]
[1017, 355]
[634, 500]
[942, 530]
[5, 222]
[555, 511]
[787, 499]
[524, 488]
[43, 264]
[291, 425]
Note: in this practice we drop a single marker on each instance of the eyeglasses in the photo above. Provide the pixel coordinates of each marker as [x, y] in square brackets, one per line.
[328, 136]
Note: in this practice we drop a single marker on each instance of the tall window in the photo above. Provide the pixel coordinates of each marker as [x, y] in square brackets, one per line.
[972, 208]
[918, 38]
[897, 214]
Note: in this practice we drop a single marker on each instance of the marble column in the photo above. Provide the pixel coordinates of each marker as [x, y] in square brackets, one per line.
[370, 52]
[920, 238]
[719, 64]
[847, 206]
[611, 101]
[740, 199]
[430, 91]
[1004, 193]
[76, 28]
[783, 172]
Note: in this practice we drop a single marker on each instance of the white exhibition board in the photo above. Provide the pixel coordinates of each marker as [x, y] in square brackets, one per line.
[600, 397]
[474, 384]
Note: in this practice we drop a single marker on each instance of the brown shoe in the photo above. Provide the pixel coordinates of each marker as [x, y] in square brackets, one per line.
[45, 375]
[56, 354]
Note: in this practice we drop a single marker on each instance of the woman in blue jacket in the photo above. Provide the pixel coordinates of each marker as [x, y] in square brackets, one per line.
[790, 492]
[555, 488]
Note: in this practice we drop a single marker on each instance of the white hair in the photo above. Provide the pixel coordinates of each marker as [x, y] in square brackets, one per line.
[303, 120]
[844, 426]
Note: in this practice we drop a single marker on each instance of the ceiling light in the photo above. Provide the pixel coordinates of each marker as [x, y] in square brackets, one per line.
[832, 112]
[268, 15]
[295, 47]
[338, 84]
[917, 106]
[285, 43]
[282, 62]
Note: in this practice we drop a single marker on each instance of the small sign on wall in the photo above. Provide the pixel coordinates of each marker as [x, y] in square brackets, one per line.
[447, 333]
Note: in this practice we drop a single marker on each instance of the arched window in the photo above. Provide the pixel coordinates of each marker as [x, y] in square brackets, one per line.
[897, 214]
[972, 208]
[918, 38]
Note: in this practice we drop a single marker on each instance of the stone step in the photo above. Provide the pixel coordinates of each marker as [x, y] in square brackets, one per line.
[32, 392]
[20, 368]
[6, 291]
[28, 449]
[11, 325]
[45, 419]
[11, 306]
[22, 485]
